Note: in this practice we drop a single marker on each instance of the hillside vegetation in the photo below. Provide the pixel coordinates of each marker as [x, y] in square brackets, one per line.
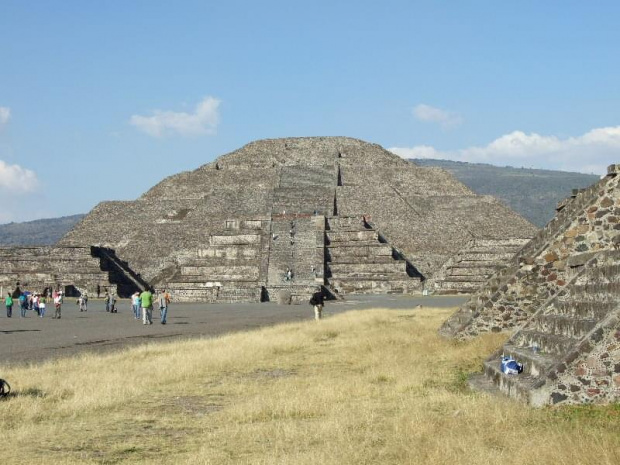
[366, 387]
[532, 193]
[38, 232]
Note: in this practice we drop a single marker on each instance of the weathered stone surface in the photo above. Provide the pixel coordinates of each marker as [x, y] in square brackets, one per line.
[566, 335]
[273, 206]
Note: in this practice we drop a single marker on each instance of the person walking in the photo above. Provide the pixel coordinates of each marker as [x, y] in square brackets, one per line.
[42, 305]
[57, 306]
[146, 301]
[113, 308]
[106, 298]
[135, 305]
[9, 305]
[164, 301]
[317, 300]
[23, 305]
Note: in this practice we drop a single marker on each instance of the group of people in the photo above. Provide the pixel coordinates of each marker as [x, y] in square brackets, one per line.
[33, 301]
[142, 305]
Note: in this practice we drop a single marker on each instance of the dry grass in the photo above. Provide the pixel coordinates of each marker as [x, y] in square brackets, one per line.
[367, 387]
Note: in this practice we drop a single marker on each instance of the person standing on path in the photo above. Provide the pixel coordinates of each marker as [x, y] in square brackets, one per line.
[317, 300]
[164, 301]
[146, 301]
[9, 305]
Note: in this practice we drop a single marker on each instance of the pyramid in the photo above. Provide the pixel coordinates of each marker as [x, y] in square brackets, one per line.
[288, 215]
[560, 298]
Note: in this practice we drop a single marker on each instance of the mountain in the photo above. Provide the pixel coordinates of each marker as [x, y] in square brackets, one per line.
[532, 193]
[37, 232]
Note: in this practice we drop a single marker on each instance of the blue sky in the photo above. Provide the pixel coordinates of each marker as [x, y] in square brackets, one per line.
[101, 100]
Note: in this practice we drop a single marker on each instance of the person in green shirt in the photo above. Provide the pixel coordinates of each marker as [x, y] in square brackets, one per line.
[146, 300]
[9, 305]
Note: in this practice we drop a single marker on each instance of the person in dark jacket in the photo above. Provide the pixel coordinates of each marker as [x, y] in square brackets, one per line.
[317, 300]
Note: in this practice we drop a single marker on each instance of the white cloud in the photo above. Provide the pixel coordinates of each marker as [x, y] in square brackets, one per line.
[591, 152]
[429, 114]
[5, 115]
[17, 180]
[204, 120]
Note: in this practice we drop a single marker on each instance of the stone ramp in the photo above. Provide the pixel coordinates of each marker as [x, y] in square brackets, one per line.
[570, 348]
[588, 222]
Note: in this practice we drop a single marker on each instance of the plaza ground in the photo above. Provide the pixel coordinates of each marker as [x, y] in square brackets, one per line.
[34, 339]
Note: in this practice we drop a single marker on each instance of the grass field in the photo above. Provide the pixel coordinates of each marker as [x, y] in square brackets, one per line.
[366, 387]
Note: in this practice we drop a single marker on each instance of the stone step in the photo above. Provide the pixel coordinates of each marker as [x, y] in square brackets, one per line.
[516, 386]
[456, 271]
[535, 362]
[375, 286]
[359, 248]
[581, 309]
[366, 235]
[494, 249]
[395, 266]
[601, 275]
[349, 223]
[562, 325]
[491, 264]
[227, 273]
[464, 279]
[501, 242]
[604, 292]
[379, 259]
[194, 282]
[485, 256]
[554, 344]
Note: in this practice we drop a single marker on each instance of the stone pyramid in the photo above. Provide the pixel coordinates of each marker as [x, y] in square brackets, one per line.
[334, 211]
[560, 297]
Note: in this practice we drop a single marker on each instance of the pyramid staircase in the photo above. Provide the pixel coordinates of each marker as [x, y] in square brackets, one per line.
[570, 347]
[301, 201]
[358, 262]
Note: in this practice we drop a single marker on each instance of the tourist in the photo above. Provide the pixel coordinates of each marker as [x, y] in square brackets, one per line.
[135, 305]
[164, 301]
[23, 305]
[106, 299]
[35, 303]
[112, 299]
[85, 298]
[57, 306]
[42, 305]
[82, 303]
[317, 300]
[146, 301]
[9, 305]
